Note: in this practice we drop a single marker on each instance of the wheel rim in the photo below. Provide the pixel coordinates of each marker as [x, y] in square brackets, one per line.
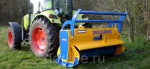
[39, 40]
[10, 39]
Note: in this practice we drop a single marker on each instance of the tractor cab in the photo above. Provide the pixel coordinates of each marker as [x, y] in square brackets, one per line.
[62, 8]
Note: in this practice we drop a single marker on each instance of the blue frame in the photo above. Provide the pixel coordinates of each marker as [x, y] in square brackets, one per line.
[111, 22]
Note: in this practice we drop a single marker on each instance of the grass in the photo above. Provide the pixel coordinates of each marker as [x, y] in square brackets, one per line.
[136, 56]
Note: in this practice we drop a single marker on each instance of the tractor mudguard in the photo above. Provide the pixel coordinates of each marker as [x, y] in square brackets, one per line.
[17, 31]
[78, 42]
[46, 14]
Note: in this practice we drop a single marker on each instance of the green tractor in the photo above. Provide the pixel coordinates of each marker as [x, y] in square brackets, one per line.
[40, 27]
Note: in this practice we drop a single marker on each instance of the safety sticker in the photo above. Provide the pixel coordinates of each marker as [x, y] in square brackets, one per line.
[81, 31]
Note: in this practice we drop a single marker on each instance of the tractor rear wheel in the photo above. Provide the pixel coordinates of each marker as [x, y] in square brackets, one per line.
[43, 38]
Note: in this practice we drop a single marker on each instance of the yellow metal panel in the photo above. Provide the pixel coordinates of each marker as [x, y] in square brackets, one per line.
[88, 36]
[58, 51]
[85, 41]
[120, 49]
[98, 44]
[73, 53]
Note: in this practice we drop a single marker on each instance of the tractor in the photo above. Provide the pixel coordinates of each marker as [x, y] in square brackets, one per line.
[41, 26]
[54, 28]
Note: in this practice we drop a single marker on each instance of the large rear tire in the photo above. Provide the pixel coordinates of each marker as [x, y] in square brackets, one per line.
[43, 38]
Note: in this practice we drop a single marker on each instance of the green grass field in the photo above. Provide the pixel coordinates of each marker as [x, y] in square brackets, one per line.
[136, 56]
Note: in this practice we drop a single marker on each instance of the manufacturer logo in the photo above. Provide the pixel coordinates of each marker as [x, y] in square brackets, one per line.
[102, 32]
[64, 39]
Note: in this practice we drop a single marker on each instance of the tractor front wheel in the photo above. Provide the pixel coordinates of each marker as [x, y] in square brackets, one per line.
[14, 36]
[44, 39]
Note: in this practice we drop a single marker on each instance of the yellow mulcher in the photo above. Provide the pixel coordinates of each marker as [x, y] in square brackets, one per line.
[78, 42]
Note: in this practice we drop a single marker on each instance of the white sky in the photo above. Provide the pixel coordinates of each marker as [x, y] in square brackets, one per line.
[35, 5]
